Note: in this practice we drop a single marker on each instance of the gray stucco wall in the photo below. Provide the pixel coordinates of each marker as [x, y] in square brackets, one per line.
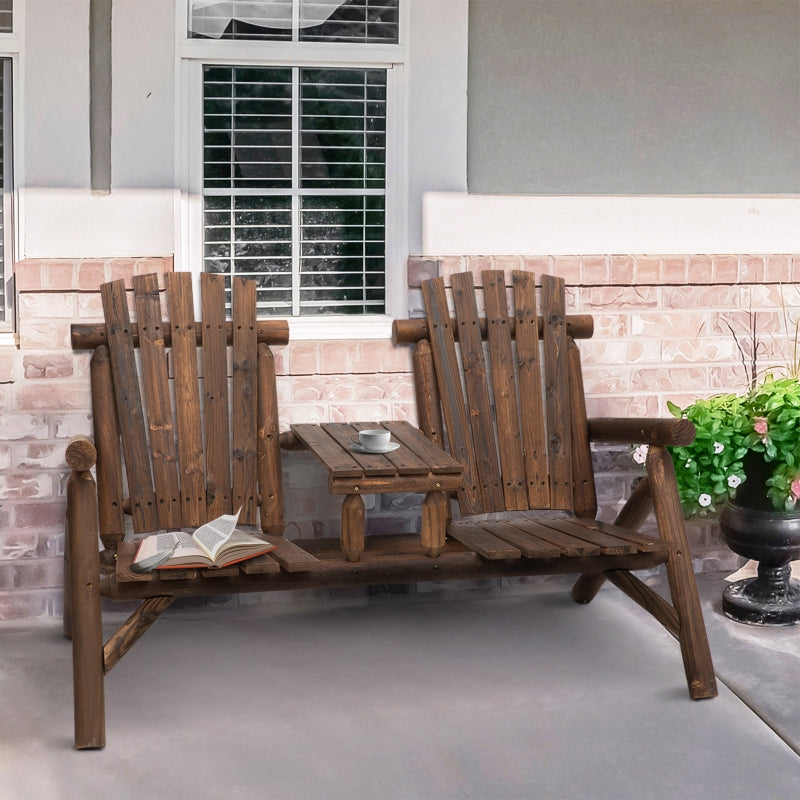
[634, 96]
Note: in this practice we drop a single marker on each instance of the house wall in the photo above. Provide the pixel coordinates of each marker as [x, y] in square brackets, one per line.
[663, 301]
[634, 97]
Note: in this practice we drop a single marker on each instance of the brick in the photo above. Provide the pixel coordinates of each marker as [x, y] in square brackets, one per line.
[48, 514]
[701, 269]
[16, 486]
[90, 275]
[647, 270]
[675, 269]
[726, 269]
[302, 358]
[55, 395]
[28, 275]
[568, 268]
[8, 365]
[421, 269]
[19, 426]
[44, 335]
[621, 270]
[778, 269]
[58, 275]
[752, 269]
[48, 366]
[619, 297]
[594, 270]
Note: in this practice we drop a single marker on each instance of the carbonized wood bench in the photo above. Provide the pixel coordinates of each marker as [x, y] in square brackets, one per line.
[186, 427]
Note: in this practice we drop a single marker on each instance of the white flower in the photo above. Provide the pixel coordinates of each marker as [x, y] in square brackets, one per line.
[688, 463]
[704, 500]
[640, 453]
[734, 481]
[718, 447]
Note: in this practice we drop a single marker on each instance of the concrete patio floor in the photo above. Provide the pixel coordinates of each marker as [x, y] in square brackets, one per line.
[522, 694]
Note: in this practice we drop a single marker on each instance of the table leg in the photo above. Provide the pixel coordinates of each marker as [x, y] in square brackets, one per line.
[352, 538]
[434, 522]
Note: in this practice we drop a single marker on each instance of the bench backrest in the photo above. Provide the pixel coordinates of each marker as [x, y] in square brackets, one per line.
[503, 388]
[185, 413]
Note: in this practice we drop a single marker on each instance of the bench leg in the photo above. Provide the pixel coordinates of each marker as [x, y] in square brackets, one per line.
[587, 586]
[87, 632]
[434, 522]
[680, 575]
[352, 537]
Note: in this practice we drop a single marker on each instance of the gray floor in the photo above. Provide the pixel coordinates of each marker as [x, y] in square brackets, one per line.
[520, 696]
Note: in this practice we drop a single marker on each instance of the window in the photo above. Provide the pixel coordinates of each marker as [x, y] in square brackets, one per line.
[295, 149]
[6, 16]
[8, 46]
[6, 261]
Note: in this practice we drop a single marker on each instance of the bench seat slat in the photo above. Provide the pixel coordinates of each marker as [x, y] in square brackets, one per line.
[484, 543]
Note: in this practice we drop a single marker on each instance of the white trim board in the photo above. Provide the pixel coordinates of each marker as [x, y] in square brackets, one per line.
[464, 224]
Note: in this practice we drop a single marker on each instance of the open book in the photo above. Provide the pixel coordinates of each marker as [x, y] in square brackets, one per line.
[216, 544]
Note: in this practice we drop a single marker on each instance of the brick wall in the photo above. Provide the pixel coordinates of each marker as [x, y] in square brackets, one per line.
[663, 331]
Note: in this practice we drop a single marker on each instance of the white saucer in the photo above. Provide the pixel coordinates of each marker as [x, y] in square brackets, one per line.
[359, 448]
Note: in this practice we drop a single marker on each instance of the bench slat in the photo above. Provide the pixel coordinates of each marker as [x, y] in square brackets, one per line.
[485, 544]
[215, 395]
[187, 398]
[155, 378]
[244, 405]
[130, 412]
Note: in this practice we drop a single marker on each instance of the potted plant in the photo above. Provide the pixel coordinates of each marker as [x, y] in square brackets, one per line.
[745, 465]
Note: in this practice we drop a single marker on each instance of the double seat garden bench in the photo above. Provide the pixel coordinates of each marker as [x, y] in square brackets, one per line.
[187, 427]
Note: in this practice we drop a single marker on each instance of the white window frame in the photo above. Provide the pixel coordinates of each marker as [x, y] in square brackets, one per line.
[11, 48]
[193, 54]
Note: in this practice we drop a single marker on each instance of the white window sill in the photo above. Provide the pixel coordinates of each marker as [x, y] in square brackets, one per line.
[371, 326]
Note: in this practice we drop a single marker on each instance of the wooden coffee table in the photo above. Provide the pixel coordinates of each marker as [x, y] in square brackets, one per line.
[417, 465]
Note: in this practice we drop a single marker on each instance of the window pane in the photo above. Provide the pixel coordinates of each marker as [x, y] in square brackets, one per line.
[252, 236]
[343, 135]
[247, 140]
[6, 16]
[241, 19]
[337, 273]
[351, 21]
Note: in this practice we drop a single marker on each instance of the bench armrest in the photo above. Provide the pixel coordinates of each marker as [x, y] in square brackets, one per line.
[81, 453]
[666, 432]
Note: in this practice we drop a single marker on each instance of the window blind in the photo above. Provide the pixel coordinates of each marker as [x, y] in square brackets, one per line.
[294, 185]
[6, 16]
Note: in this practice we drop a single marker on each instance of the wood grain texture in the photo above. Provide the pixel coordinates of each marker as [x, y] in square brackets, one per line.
[505, 392]
[477, 393]
[110, 496]
[216, 400]
[187, 398]
[556, 384]
[270, 471]
[87, 336]
[156, 384]
[130, 411]
[532, 418]
[245, 400]
[454, 410]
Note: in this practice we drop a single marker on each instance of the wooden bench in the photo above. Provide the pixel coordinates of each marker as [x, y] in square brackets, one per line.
[176, 444]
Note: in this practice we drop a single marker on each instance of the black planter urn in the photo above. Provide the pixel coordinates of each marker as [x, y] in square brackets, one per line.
[773, 539]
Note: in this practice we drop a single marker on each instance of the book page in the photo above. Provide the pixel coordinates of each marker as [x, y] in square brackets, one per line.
[214, 534]
[174, 543]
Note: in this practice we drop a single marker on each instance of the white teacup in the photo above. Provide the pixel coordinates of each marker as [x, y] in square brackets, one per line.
[373, 438]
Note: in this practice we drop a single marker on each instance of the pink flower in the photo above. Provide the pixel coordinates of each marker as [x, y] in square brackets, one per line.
[795, 488]
[760, 426]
